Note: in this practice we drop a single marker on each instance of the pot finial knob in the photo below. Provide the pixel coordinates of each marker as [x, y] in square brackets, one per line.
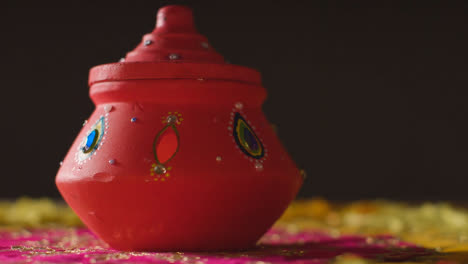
[174, 38]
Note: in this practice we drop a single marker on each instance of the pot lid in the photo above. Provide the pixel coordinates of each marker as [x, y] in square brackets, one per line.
[174, 50]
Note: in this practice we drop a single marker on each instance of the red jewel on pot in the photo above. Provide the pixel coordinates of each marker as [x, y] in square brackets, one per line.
[177, 154]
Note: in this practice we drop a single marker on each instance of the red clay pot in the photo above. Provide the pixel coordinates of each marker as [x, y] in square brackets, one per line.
[177, 155]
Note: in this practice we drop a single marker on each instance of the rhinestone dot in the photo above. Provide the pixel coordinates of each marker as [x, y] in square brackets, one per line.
[112, 161]
[171, 119]
[219, 159]
[108, 108]
[160, 169]
[148, 42]
[258, 166]
[239, 105]
[174, 56]
[133, 119]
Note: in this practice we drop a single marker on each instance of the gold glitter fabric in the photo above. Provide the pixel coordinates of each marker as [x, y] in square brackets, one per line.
[310, 231]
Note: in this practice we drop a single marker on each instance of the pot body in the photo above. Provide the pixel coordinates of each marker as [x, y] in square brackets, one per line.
[178, 164]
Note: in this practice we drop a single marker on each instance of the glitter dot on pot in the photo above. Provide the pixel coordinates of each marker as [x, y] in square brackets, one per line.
[258, 166]
[239, 105]
[107, 108]
[148, 42]
[174, 56]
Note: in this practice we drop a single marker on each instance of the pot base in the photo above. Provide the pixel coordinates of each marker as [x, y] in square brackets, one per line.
[180, 216]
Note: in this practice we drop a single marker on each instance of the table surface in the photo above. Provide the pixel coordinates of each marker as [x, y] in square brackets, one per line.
[310, 231]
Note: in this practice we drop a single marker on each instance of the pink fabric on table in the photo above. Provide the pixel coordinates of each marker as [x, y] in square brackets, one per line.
[277, 246]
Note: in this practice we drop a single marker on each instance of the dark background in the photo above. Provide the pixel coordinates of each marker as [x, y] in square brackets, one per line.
[369, 97]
